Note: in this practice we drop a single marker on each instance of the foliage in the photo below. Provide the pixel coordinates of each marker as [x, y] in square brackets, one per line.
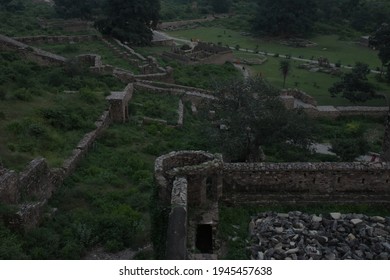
[204, 76]
[284, 68]
[10, 245]
[285, 17]
[248, 113]
[380, 39]
[349, 149]
[221, 6]
[354, 86]
[129, 20]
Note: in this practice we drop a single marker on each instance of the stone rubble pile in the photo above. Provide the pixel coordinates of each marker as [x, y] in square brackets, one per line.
[299, 236]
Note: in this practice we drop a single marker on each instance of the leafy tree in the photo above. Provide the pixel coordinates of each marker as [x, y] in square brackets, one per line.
[129, 20]
[350, 148]
[221, 6]
[285, 17]
[354, 86]
[368, 15]
[381, 41]
[250, 116]
[77, 9]
[284, 68]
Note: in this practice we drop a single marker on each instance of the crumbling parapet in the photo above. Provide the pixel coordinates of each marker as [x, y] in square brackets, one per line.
[119, 110]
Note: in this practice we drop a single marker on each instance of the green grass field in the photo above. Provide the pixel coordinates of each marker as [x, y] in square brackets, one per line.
[328, 45]
[315, 84]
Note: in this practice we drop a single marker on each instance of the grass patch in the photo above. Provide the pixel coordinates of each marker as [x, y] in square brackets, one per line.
[94, 47]
[348, 53]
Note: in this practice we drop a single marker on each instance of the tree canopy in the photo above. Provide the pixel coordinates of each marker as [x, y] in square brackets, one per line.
[381, 41]
[250, 115]
[285, 17]
[127, 20]
[354, 85]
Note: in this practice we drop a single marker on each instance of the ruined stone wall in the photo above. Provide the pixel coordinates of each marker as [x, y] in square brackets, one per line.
[173, 25]
[218, 59]
[69, 25]
[300, 95]
[31, 188]
[300, 183]
[56, 39]
[34, 54]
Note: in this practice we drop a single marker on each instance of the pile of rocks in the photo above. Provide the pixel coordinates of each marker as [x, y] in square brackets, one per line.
[299, 236]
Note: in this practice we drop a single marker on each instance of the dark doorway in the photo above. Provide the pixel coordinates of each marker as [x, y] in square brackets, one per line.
[204, 239]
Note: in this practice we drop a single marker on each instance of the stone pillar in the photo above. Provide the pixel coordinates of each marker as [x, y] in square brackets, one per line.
[119, 104]
[177, 225]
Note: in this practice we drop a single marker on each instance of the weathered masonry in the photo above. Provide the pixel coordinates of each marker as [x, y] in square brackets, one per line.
[198, 180]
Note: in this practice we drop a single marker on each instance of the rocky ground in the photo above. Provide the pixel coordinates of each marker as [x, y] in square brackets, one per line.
[334, 236]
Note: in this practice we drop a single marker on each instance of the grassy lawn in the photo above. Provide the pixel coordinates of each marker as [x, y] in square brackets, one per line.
[328, 45]
[93, 47]
[314, 84]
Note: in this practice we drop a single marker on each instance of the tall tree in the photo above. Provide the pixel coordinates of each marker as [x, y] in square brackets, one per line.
[381, 41]
[284, 68]
[129, 20]
[221, 6]
[355, 86]
[285, 17]
[250, 116]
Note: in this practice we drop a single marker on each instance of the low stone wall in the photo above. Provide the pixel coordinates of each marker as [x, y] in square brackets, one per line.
[56, 39]
[173, 25]
[31, 188]
[299, 183]
[70, 25]
[300, 95]
[90, 60]
[34, 54]
[207, 177]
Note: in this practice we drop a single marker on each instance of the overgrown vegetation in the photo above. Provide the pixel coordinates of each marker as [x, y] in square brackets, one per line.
[111, 201]
[45, 111]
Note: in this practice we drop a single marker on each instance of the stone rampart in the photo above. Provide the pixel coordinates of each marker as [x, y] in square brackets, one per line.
[305, 183]
[207, 178]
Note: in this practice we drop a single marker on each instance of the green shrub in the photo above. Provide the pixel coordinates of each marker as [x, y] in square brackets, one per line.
[88, 96]
[64, 118]
[350, 148]
[23, 94]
